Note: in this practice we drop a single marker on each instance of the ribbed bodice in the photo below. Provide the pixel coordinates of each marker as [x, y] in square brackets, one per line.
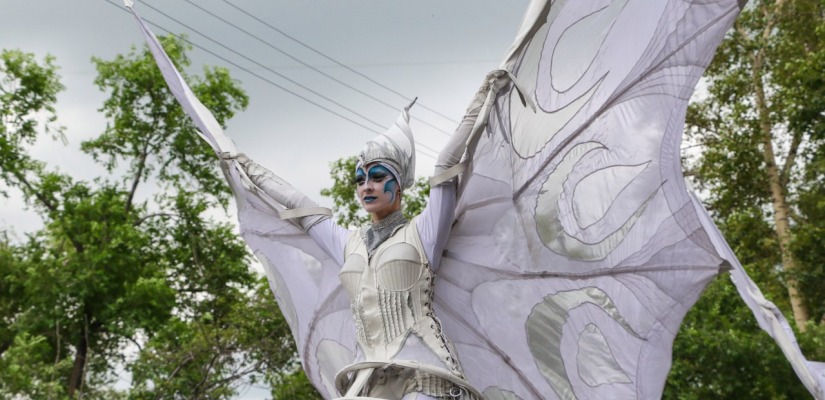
[391, 294]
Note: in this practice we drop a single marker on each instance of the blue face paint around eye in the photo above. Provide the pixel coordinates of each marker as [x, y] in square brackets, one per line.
[360, 176]
[389, 187]
[378, 172]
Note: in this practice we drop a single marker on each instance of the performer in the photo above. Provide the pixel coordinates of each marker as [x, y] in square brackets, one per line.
[388, 266]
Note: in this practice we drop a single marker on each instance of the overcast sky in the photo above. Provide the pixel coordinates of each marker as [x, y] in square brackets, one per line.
[436, 50]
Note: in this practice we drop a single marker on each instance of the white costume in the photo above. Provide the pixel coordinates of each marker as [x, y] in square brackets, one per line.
[574, 247]
[391, 296]
[390, 280]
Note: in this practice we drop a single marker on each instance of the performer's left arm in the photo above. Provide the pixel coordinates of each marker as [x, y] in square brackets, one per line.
[435, 222]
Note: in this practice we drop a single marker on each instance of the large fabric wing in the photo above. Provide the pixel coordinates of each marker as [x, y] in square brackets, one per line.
[302, 276]
[578, 249]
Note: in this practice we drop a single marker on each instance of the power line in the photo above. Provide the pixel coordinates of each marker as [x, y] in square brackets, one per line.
[336, 61]
[294, 82]
[224, 59]
[382, 102]
[419, 144]
[252, 73]
[280, 75]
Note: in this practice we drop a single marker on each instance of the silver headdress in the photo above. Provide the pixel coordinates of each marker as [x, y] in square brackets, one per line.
[395, 148]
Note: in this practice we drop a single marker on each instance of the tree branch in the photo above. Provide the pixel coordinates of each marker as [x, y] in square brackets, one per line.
[160, 214]
[180, 365]
[49, 206]
[237, 375]
[138, 175]
[56, 357]
[131, 339]
[200, 386]
[785, 174]
[31, 190]
[690, 172]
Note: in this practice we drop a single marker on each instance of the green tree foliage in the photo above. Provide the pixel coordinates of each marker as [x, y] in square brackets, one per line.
[348, 210]
[760, 131]
[295, 386]
[128, 271]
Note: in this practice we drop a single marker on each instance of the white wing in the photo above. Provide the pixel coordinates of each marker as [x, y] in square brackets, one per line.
[302, 276]
[578, 249]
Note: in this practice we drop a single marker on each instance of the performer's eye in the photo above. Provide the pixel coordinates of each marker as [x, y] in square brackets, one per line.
[360, 177]
[378, 173]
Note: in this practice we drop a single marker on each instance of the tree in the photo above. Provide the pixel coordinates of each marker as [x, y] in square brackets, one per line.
[760, 134]
[129, 263]
[28, 91]
[761, 131]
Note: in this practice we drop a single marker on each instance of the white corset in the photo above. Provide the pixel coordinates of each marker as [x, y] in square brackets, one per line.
[391, 295]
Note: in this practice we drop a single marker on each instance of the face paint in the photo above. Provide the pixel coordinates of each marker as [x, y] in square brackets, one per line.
[390, 188]
[379, 173]
[360, 177]
[377, 188]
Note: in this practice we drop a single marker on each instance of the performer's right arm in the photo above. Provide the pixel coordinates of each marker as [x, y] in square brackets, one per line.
[320, 227]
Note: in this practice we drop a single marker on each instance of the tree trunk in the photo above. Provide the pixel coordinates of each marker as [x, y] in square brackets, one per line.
[781, 211]
[78, 369]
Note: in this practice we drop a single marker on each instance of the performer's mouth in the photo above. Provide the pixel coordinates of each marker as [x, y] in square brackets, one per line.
[369, 199]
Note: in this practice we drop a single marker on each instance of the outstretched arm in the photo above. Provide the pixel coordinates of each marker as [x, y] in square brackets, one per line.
[304, 211]
[450, 156]
[435, 221]
[300, 209]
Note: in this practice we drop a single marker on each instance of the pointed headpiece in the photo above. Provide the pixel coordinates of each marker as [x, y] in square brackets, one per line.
[394, 148]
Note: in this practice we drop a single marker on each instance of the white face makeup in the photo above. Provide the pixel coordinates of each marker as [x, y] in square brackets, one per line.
[377, 189]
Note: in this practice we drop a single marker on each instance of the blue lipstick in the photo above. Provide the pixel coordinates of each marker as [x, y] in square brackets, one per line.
[369, 199]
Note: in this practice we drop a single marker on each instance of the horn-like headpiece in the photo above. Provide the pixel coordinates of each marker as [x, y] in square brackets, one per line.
[395, 148]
